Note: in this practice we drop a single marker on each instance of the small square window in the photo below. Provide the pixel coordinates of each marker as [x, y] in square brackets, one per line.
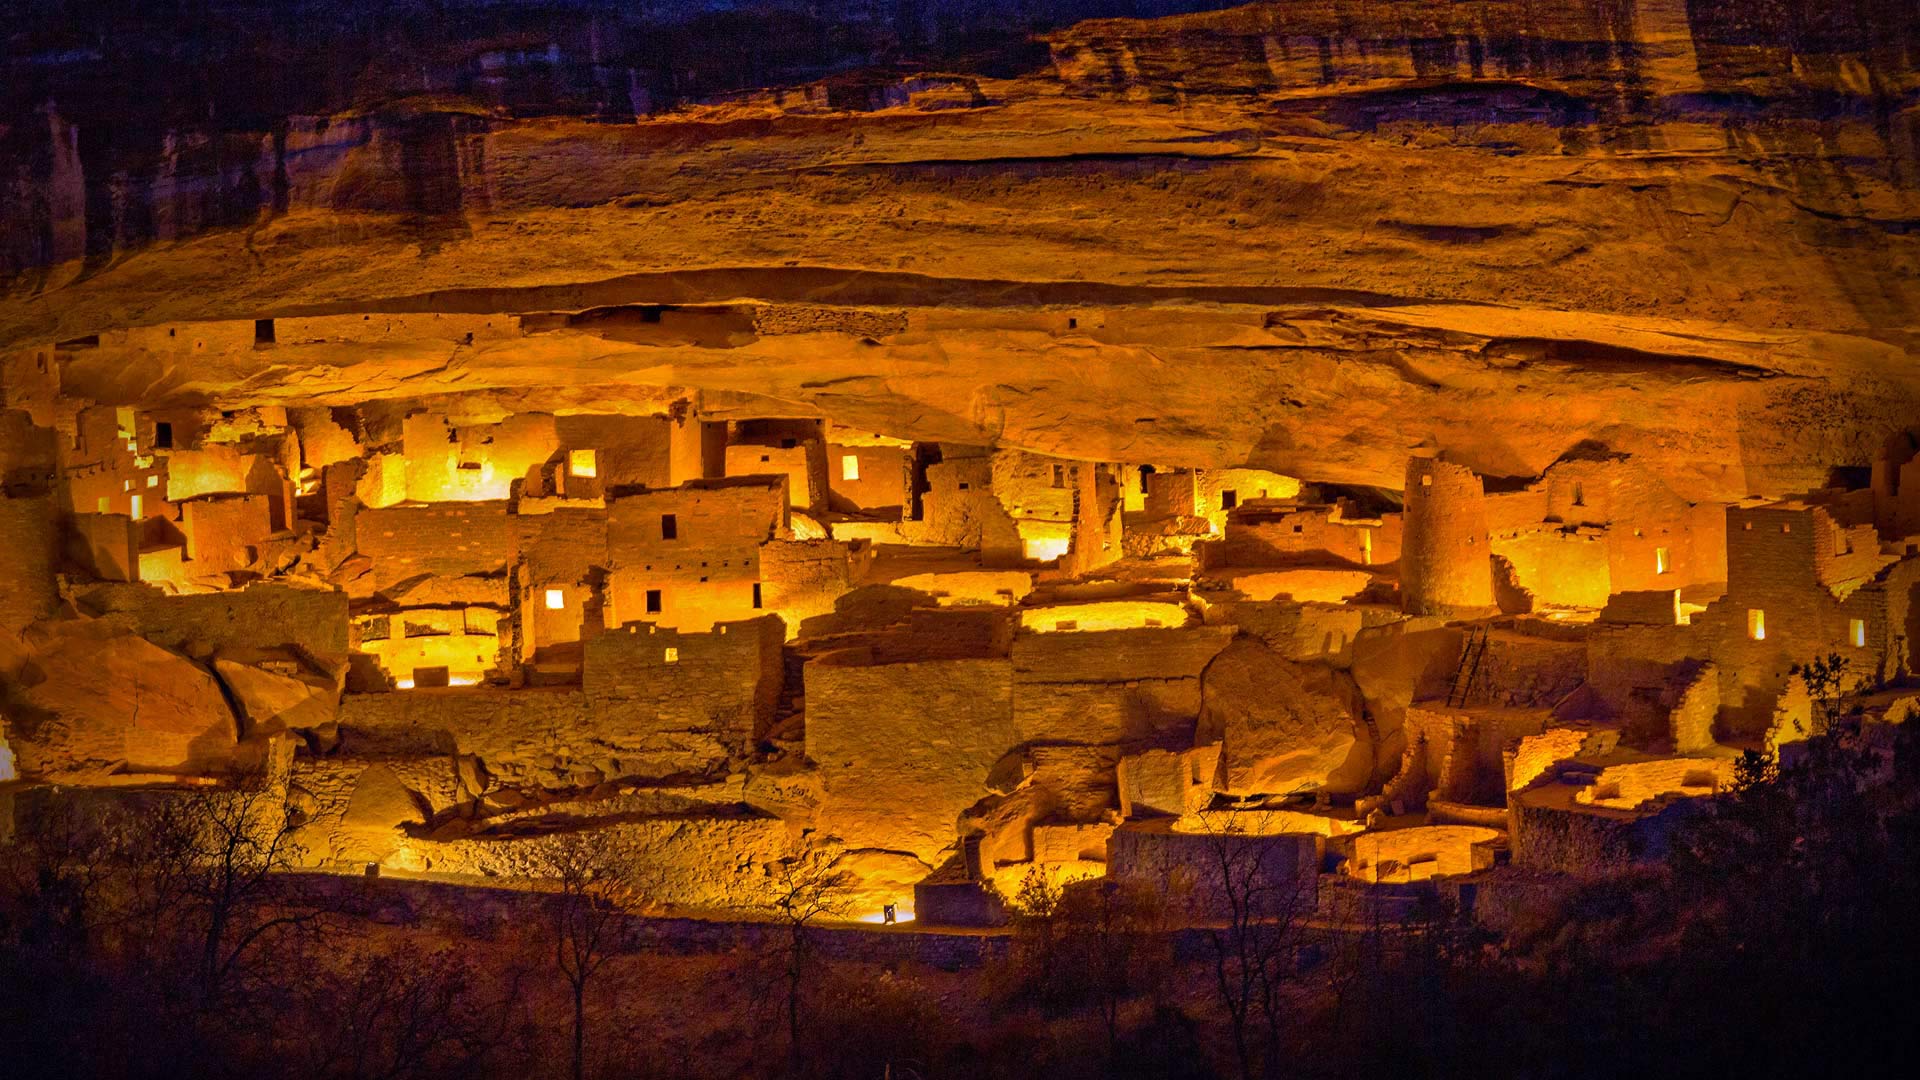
[1857, 633]
[583, 463]
[963, 485]
[1756, 624]
[1427, 480]
[673, 655]
[849, 466]
[653, 601]
[556, 599]
[1786, 527]
[1229, 499]
[153, 481]
[103, 505]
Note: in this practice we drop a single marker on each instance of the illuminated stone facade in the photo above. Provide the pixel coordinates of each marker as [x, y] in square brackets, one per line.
[908, 657]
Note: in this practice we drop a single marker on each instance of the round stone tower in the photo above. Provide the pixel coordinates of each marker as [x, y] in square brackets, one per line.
[1445, 564]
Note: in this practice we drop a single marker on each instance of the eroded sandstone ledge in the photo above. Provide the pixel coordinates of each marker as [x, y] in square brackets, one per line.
[1304, 236]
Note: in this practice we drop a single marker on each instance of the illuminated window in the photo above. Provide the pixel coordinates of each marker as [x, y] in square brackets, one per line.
[582, 463]
[126, 485]
[123, 420]
[669, 527]
[103, 505]
[673, 655]
[1756, 624]
[556, 599]
[136, 508]
[1046, 549]
[1661, 564]
[653, 601]
[1857, 633]
[1427, 480]
[153, 481]
[1229, 500]
[849, 466]
[1366, 547]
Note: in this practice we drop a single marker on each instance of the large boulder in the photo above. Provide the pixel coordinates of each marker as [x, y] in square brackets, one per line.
[1282, 727]
[1167, 782]
[92, 696]
[1395, 665]
[381, 801]
[278, 692]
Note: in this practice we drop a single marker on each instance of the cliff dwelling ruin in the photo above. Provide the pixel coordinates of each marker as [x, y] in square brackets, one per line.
[1429, 452]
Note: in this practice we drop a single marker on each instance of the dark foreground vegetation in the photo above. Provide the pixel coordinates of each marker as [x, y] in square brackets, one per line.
[160, 940]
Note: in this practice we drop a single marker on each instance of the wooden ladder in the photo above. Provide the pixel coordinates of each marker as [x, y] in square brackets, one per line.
[1469, 669]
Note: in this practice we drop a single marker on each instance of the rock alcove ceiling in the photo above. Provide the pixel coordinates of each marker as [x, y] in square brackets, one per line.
[1304, 236]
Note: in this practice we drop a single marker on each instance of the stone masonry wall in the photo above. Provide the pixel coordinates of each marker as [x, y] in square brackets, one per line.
[29, 536]
[1111, 686]
[436, 538]
[726, 682]
[904, 748]
[258, 616]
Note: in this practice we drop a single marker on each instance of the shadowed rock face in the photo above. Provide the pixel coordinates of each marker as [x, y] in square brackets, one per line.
[1300, 235]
